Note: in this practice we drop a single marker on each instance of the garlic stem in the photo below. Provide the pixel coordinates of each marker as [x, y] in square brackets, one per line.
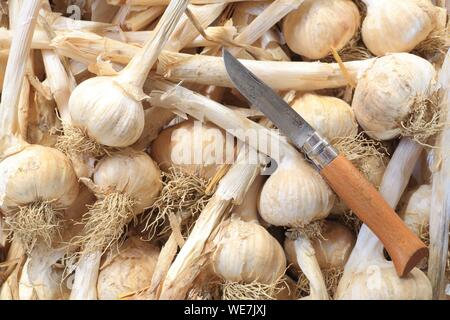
[301, 76]
[440, 204]
[306, 259]
[165, 258]
[15, 69]
[58, 22]
[144, 18]
[264, 21]
[136, 72]
[59, 82]
[185, 32]
[41, 274]
[86, 274]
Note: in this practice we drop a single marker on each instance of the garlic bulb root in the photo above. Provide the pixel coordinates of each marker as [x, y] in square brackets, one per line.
[104, 222]
[424, 121]
[255, 290]
[182, 194]
[434, 46]
[37, 221]
[76, 141]
[317, 25]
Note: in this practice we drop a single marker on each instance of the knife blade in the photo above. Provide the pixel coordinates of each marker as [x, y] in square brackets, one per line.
[404, 247]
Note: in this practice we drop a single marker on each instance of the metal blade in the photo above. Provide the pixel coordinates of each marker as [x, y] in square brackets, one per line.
[265, 99]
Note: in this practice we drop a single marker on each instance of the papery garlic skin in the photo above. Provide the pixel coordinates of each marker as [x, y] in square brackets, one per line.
[132, 173]
[194, 147]
[394, 26]
[107, 112]
[130, 270]
[247, 252]
[332, 248]
[294, 195]
[318, 25]
[330, 116]
[35, 174]
[385, 94]
[379, 281]
[416, 212]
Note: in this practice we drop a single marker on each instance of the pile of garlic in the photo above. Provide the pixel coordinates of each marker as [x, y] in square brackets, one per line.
[128, 168]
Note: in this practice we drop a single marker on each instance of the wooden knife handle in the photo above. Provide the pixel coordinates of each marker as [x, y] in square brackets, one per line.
[403, 246]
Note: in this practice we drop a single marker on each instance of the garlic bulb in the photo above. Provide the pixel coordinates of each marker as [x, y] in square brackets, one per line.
[318, 25]
[376, 279]
[332, 249]
[125, 183]
[295, 194]
[109, 116]
[393, 91]
[416, 211]
[395, 26]
[247, 252]
[109, 109]
[384, 284]
[34, 184]
[130, 270]
[195, 147]
[132, 173]
[330, 116]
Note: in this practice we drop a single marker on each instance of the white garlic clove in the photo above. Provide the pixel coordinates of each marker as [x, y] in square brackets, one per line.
[318, 25]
